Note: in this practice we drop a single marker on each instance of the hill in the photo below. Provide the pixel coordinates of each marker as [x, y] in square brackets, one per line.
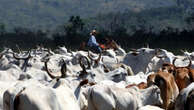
[48, 14]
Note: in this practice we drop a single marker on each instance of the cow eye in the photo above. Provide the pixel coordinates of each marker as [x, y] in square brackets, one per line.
[93, 74]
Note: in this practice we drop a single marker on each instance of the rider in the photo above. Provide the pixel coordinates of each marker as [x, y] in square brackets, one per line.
[92, 43]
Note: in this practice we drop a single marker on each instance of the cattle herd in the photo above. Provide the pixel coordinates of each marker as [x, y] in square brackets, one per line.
[61, 79]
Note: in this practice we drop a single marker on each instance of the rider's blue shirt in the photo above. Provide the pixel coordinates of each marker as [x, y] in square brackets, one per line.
[92, 41]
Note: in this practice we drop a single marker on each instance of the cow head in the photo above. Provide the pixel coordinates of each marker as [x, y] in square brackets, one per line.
[82, 60]
[183, 75]
[96, 61]
[151, 96]
[168, 67]
[150, 79]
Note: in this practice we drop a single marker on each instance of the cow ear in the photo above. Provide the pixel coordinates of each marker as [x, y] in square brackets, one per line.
[159, 81]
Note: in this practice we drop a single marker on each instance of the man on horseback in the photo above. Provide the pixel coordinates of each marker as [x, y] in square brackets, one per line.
[92, 43]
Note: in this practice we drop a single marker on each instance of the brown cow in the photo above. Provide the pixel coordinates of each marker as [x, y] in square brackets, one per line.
[168, 87]
[183, 75]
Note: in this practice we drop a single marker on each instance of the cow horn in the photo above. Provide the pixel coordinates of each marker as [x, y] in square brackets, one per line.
[47, 70]
[49, 51]
[99, 57]
[190, 62]
[95, 60]
[1, 55]
[81, 63]
[106, 70]
[90, 56]
[189, 65]
[173, 62]
[23, 58]
[20, 51]
[63, 70]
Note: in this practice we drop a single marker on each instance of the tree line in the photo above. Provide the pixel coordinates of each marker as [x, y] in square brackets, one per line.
[77, 30]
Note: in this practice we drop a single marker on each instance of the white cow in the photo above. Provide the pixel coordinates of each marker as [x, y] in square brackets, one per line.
[103, 97]
[35, 96]
[158, 60]
[80, 91]
[139, 60]
[147, 60]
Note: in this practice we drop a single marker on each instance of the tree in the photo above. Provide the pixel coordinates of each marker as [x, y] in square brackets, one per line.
[73, 30]
[74, 26]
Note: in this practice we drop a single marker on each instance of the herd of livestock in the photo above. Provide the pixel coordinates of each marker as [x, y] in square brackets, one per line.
[60, 79]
